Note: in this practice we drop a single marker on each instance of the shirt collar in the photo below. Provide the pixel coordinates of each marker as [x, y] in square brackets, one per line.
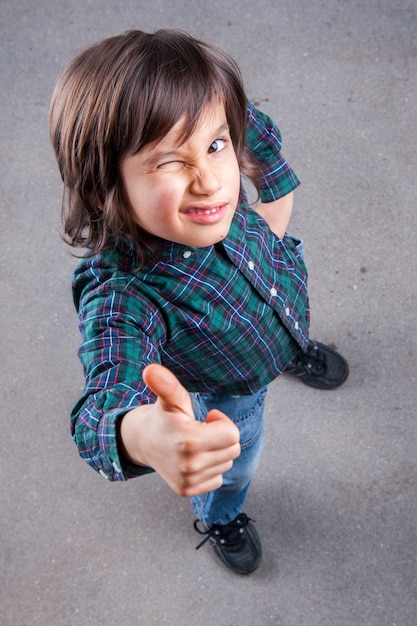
[170, 252]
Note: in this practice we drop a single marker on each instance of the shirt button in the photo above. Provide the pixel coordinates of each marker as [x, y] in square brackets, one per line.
[287, 312]
[187, 254]
[251, 265]
[296, 325]
[273, 291]
[116, 468]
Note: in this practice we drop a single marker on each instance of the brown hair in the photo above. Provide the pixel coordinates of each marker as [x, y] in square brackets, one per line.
[120, 95]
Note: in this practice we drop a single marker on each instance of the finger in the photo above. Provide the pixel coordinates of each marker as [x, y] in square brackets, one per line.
[206, 481]
[190, 484]
[197, 490]
[208, 463]
[229, 430]
[171, 394]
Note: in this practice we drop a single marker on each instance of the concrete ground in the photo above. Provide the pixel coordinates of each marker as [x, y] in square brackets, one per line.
[335, 496]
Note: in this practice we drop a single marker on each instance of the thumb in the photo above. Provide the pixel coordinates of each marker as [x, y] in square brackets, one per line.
[172, 396]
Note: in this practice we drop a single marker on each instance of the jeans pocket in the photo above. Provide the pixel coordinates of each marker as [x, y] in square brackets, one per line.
[297, 245]
[249, 419]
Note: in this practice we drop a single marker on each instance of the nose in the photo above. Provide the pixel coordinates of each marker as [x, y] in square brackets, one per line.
[205, 181]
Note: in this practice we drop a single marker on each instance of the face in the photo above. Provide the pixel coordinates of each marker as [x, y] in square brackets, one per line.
[186, 192]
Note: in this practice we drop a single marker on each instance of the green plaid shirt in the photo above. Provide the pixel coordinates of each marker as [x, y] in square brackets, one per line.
[228, 317]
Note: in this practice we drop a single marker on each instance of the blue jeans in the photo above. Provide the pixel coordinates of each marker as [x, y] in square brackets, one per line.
[222, 505]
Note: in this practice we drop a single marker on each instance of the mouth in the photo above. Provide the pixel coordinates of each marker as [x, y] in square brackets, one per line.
[205, 214]
[205, 211]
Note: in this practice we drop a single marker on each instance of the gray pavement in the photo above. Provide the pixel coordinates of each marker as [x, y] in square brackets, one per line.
[335, 496]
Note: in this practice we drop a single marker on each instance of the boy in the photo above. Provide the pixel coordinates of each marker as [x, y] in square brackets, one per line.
[189, 301]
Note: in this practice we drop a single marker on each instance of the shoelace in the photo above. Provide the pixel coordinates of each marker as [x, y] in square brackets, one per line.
[312, 360]
[230, 533]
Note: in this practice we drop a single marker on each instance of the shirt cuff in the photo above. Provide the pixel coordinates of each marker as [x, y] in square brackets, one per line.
[112, 465]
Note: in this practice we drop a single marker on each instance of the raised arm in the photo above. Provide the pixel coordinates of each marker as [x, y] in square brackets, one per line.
[277, 213]
[278, 180]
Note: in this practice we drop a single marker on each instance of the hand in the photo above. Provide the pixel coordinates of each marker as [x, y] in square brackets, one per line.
[190, 456]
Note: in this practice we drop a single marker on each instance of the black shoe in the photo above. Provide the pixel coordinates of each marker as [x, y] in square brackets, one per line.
[237, 544]
[319, 367]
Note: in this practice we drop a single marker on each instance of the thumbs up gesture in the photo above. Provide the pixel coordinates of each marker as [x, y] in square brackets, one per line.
[190, 456]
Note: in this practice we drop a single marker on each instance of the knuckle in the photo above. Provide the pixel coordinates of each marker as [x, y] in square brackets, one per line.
[187, 470]
[183, 492]
[186, 446]
[186, 489]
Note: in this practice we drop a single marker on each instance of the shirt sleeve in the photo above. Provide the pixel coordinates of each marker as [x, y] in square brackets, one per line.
[263, 138]
[115, 349]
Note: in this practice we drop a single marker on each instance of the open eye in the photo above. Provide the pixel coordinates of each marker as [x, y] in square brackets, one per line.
[217, 146]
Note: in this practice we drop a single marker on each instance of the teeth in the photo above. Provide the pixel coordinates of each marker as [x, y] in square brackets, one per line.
[206, 211]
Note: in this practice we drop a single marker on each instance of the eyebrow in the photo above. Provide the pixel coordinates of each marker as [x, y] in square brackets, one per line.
[156, 156]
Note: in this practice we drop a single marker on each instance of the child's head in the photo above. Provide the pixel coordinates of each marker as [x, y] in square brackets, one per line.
[121, 95]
